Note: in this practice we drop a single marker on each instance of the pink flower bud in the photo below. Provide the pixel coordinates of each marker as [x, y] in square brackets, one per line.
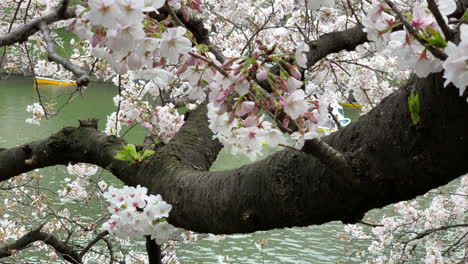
[191, 61]
[250, 121]
[286, 121]
[71, 26]
[185, 13]
[283, 84]
[224, 94]
[181, 70]
[262, 73]
[313, 118]
[272, 104]
[282, 101]
[294, 72]
[255, 55]
[94, 40]
[245, 108]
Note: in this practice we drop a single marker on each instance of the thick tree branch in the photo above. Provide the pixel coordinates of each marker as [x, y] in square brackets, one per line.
[60, 247]
[82, 77]
[22, 33]
[335, 42]
[392, 160]
[332, 158]
[154, 251]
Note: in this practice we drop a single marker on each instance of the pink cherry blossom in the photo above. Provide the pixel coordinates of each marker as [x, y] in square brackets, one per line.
[295, 105]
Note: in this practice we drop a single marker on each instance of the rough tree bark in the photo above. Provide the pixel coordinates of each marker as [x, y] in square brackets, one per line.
[392, 160]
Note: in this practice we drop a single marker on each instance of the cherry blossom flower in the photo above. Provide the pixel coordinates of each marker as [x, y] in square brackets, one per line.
[316, 4]
[456, 65]
[135, 214]
[295, 105]
[38, 113]
[131, 12]
[446, 7]
[162, 232]
[103, 12]
[300, 55]
[421, 19]
[152, 5]
[293, 84]
[174, 43]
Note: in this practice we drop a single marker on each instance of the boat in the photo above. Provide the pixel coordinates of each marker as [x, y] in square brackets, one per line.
[355, 105]
[340, 116]
[51, 81]
[351, 109]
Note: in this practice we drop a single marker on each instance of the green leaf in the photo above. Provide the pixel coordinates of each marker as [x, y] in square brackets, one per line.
[414, 107]
[131, 149]
[435, 40]
[146, 154]
[203, 48]
[130, 154]
[465, 16]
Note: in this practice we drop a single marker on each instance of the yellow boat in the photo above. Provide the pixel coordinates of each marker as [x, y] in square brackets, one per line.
[355, 105]
[51, 81]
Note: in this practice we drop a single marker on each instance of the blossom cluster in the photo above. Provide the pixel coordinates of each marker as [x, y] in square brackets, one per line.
[379, 25]
[436, 226]
[76, 189]
[37, 113]
[145, 45]
[135, 214]
[161, 121]
[127, 39]
[456, 65]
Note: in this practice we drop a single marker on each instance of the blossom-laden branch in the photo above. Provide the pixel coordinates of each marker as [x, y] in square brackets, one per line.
[436, 52]
[440, 19]
[82, 77]
[24, 32]
[64, 250]
[382, 148]
[98, 237]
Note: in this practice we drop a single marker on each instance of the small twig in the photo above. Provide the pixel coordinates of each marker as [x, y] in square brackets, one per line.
[26, 12]
[93, 242]
[82, 77]
[337, 122]
[368, 224]
[118, 107]
[22, 33]
[9, 29]
[433, 230]
[35, 82]
[92, 67]
[60, 247]
[440, 20]
[174, 16]
[223, 72]
[63, 8]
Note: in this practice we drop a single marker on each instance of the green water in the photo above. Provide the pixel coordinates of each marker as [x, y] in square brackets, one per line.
[315, 244]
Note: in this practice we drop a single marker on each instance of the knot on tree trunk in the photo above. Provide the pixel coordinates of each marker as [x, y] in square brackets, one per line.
[89, 123]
